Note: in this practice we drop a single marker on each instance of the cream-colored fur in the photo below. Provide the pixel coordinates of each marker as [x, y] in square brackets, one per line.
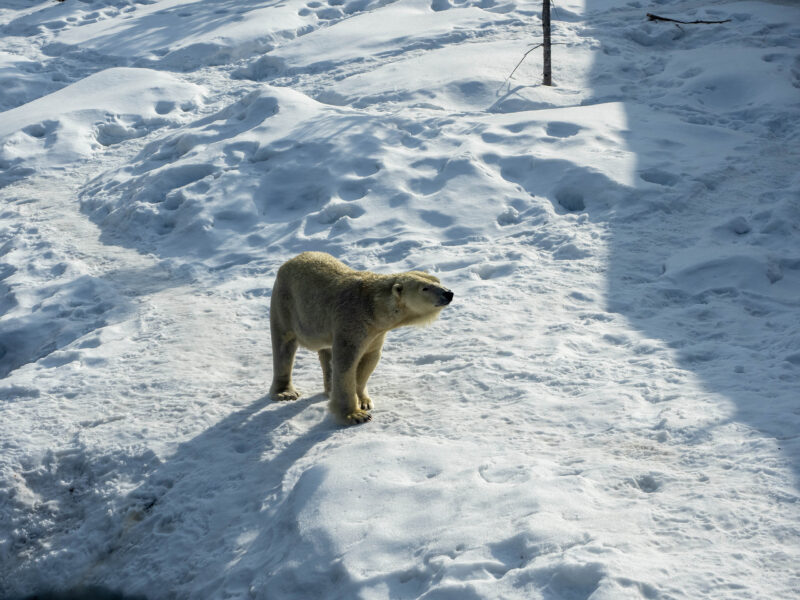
[322, 304]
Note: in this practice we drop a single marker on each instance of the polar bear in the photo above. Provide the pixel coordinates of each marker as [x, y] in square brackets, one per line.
[322, 304]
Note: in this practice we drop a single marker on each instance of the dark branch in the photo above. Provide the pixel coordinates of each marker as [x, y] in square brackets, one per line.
[653, 17]
[524, 56]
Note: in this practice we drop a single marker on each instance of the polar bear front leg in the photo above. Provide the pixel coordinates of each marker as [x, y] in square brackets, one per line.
[365, 368]
[344, 401]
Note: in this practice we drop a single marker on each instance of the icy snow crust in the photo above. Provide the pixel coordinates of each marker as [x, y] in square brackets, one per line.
[608, 410]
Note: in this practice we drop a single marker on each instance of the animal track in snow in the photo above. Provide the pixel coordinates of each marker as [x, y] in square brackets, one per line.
[352, 190]
[337, 9]
[659, 177]
[332, 214]
[491, 473]
[17, 392]
[560, 129]
[510, 216]
[436, 218]
[444, 171]
[40, 130]
[570, 198]
[365, 167]
[648, 483]
[493, 270]
[428, 359]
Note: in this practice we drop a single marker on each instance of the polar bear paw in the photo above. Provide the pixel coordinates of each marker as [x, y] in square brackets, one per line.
[365, 402]
[286, 395]
[357, 417]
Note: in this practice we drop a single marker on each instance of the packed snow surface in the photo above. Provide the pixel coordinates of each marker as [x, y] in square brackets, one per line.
[610, 408]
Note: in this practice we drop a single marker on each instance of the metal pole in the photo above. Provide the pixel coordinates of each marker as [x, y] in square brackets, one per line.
[548, 74]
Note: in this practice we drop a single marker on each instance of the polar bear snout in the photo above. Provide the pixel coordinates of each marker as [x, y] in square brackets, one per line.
[445, 298]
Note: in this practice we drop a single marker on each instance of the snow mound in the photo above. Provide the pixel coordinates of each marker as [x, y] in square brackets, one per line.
[60, 315]
[422, 505]
[279, 168]
[21, 81]
[179, 34]
[96, 112]
[726, 268]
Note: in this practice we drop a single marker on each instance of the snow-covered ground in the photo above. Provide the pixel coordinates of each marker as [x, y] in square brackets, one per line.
[610, 409]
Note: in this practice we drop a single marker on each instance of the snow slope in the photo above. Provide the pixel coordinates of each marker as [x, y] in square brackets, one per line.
[609, 409]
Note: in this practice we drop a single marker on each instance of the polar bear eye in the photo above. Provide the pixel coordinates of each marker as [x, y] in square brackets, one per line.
[425, 289]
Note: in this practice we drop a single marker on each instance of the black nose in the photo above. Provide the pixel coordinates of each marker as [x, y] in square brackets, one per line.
[448, 296]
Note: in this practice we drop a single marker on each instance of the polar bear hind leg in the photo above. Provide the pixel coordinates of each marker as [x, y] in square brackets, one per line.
[325, 358]
[284, 347]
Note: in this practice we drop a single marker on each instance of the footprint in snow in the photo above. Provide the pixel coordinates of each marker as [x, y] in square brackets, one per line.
[352, 190]
[366, 167]
[492, 271]
[429, 359]
[659, 177]
[571, 199]
[436, 218]
[16, 392]
[647, 483]
[503, 474]
[510, 216]
[560, 129]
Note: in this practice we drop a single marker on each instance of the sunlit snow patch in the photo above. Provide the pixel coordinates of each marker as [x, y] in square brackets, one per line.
[100, 110]
[186, 34]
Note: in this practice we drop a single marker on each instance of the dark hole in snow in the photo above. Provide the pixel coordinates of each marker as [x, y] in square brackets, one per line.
[570, 199]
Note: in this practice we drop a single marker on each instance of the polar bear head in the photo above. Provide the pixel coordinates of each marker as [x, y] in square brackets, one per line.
[420, 297]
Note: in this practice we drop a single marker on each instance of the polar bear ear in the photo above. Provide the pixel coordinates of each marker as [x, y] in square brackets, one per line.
[397, 289]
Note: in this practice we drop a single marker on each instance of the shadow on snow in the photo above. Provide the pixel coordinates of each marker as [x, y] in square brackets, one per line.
[678, 266]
